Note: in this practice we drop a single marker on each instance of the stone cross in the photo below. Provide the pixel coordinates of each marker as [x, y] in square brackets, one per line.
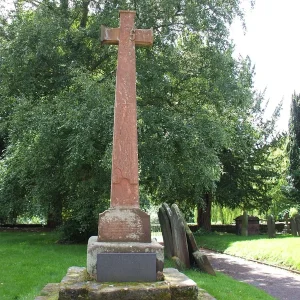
[124, 180]
[124, 221]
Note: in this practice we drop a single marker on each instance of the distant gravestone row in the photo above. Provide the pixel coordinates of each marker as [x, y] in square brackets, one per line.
[180, 244]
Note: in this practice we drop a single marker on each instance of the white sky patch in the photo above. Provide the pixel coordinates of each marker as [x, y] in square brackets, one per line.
[272, 42]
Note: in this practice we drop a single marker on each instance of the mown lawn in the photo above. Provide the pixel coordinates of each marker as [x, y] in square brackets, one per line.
[31, 260]
[282, 250]
[28, 261]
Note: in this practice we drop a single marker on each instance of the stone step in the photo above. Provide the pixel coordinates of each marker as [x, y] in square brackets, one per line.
[75, 285]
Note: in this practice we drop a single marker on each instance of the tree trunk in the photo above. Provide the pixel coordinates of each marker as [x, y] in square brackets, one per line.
[204, 213]
[85, 12]
[54, 217]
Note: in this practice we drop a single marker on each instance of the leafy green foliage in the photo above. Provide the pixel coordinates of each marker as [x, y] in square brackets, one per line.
[250, 170]
[293, 148]
[57, 94]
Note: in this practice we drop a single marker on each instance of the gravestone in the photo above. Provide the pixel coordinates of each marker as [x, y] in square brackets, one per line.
[167, 210]
[179, 237]
[166, 232]
[124, 228]
[195, 257]
[244, 224]
[286, 228]
[203, 263]
[271, 226]
[297, 221]
[293, 227]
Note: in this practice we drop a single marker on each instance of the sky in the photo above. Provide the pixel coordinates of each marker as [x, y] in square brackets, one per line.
[272, 43]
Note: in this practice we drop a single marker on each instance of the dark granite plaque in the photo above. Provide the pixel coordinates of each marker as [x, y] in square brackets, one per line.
[126, 267]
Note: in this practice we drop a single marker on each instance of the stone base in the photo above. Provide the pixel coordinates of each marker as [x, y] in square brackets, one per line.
[124, 225]
[94, 248]
[77, 285]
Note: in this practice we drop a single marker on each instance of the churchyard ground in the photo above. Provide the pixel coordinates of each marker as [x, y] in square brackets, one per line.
[281, 251]
[30, 260]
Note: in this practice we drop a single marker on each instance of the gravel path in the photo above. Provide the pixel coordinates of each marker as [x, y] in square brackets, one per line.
[281, 284]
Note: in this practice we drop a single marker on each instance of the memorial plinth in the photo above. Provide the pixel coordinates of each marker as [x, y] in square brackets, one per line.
[95, 248]
[77, 285]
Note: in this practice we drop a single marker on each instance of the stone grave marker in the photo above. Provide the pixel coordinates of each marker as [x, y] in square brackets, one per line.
[196, 258]
[179, 237]
[166, 232]
[271, 226]
[286, 228]
[297, 221]
[168, 210]
[293, 226]
[245, 224]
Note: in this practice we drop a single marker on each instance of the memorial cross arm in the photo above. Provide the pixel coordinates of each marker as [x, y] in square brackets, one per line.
[142, 37]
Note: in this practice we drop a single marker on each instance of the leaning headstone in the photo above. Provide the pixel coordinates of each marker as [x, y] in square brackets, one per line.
[165, 225]
[271, 226]
[179, 237]
[167, 210]
[192, 244]
[297, 220]
[293, 227]
[203, 263]
[196, 258]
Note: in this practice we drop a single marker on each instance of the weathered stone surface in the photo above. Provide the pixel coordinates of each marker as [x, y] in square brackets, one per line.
[140, 291]
[176, 286]
[168, 211]
[74, 291]
[297, 220]
[73, 285]
[245, 224]
[178, 263]
[271, 227]
[165, 225]
[293, 227]
[179, 236]
[203, 263]
[124, 181]
[95, 248]
[126, 267]
[124, 225]
[182, 287]
[50, 291]
[192, 244]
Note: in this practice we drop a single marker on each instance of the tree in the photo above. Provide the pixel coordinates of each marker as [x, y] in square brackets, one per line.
[57, 91]
[293, 149]
[250, 170]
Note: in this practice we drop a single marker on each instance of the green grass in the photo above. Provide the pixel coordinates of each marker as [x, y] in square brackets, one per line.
[31, 260]
[224, 287]
[282, 250]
